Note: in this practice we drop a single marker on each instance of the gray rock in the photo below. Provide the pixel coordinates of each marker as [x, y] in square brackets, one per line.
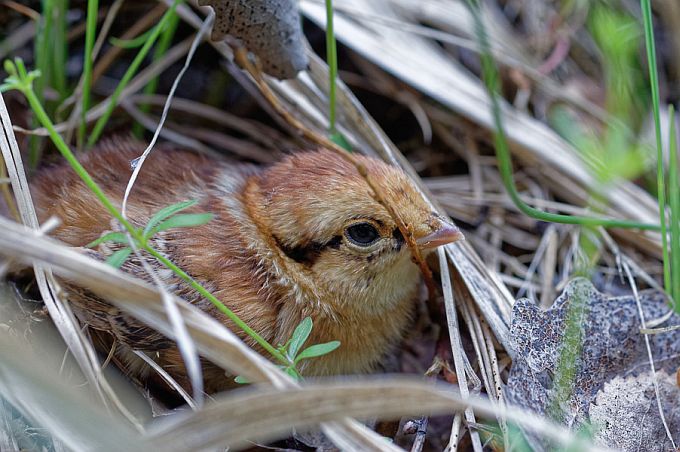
[269, 28]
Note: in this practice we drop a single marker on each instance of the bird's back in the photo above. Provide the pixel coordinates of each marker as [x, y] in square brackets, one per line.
[216, 254]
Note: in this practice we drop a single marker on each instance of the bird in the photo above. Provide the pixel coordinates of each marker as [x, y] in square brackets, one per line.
[302, 237]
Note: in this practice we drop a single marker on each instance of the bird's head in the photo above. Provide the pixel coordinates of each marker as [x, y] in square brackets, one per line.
[323, 217]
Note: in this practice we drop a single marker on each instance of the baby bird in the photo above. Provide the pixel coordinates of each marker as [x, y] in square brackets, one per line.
[303, 237]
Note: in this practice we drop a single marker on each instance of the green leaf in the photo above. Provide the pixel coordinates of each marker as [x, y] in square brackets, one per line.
[115, 237]
[118, 258]
[9, 67]
[241, 380]
[292, 371]
[300, 336]
[165, 212]
[340, 140]
[186, 220]
[21, 68]
[314, 351]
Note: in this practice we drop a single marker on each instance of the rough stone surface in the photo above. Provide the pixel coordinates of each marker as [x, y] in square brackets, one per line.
[611, 347]
[269, 28]
[625, 413]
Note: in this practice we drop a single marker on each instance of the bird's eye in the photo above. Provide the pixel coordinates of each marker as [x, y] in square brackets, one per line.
[362, 234]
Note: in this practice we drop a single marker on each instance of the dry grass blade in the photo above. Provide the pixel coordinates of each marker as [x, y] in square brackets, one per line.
[60, 312]
[173, 136]
[267, 413]
[79, 422]
[268, 137]
[456, 343]
[236, 418]
[18, 38]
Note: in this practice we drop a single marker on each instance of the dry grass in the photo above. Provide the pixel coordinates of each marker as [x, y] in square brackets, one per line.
[506, 253]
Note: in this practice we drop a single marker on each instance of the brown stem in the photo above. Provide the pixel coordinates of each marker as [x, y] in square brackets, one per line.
[7, 193]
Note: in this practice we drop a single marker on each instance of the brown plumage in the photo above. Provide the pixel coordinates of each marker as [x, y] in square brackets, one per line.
[300, 238]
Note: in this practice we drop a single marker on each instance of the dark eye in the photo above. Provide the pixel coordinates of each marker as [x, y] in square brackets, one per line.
[362, 234]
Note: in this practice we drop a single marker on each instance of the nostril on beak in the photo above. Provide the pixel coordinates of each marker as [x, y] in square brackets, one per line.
[447, 233]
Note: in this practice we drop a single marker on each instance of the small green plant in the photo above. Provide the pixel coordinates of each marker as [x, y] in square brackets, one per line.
[291, 350]
[166, 218]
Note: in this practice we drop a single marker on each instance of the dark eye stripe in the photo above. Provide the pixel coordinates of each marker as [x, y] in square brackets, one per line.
[399, 238]
[308, 253]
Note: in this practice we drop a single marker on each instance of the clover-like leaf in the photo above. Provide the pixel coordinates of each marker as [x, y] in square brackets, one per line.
[186, 220]
[300, 336]
[118, 258]
[316, 350]
[166, 212]
[115, 237]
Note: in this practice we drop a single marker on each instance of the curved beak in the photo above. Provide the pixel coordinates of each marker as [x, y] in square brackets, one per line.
[447, 233]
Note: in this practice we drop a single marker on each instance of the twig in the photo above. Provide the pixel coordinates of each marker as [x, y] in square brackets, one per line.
[419, 440]
[633, 286]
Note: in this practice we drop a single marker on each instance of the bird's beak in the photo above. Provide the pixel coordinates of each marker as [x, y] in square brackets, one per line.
[447, 233]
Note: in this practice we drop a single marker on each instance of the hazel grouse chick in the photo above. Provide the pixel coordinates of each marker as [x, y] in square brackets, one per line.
[303, 237]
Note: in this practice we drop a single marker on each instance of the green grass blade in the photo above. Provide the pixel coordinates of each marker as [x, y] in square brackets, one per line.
[332, 59]
[90, 32]
[131, 71]
[42, 64]
[654, 86]
[163, 45]
[131, 43]
[59, 45]
[674, 195]
[42, 48]
[490, 76]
